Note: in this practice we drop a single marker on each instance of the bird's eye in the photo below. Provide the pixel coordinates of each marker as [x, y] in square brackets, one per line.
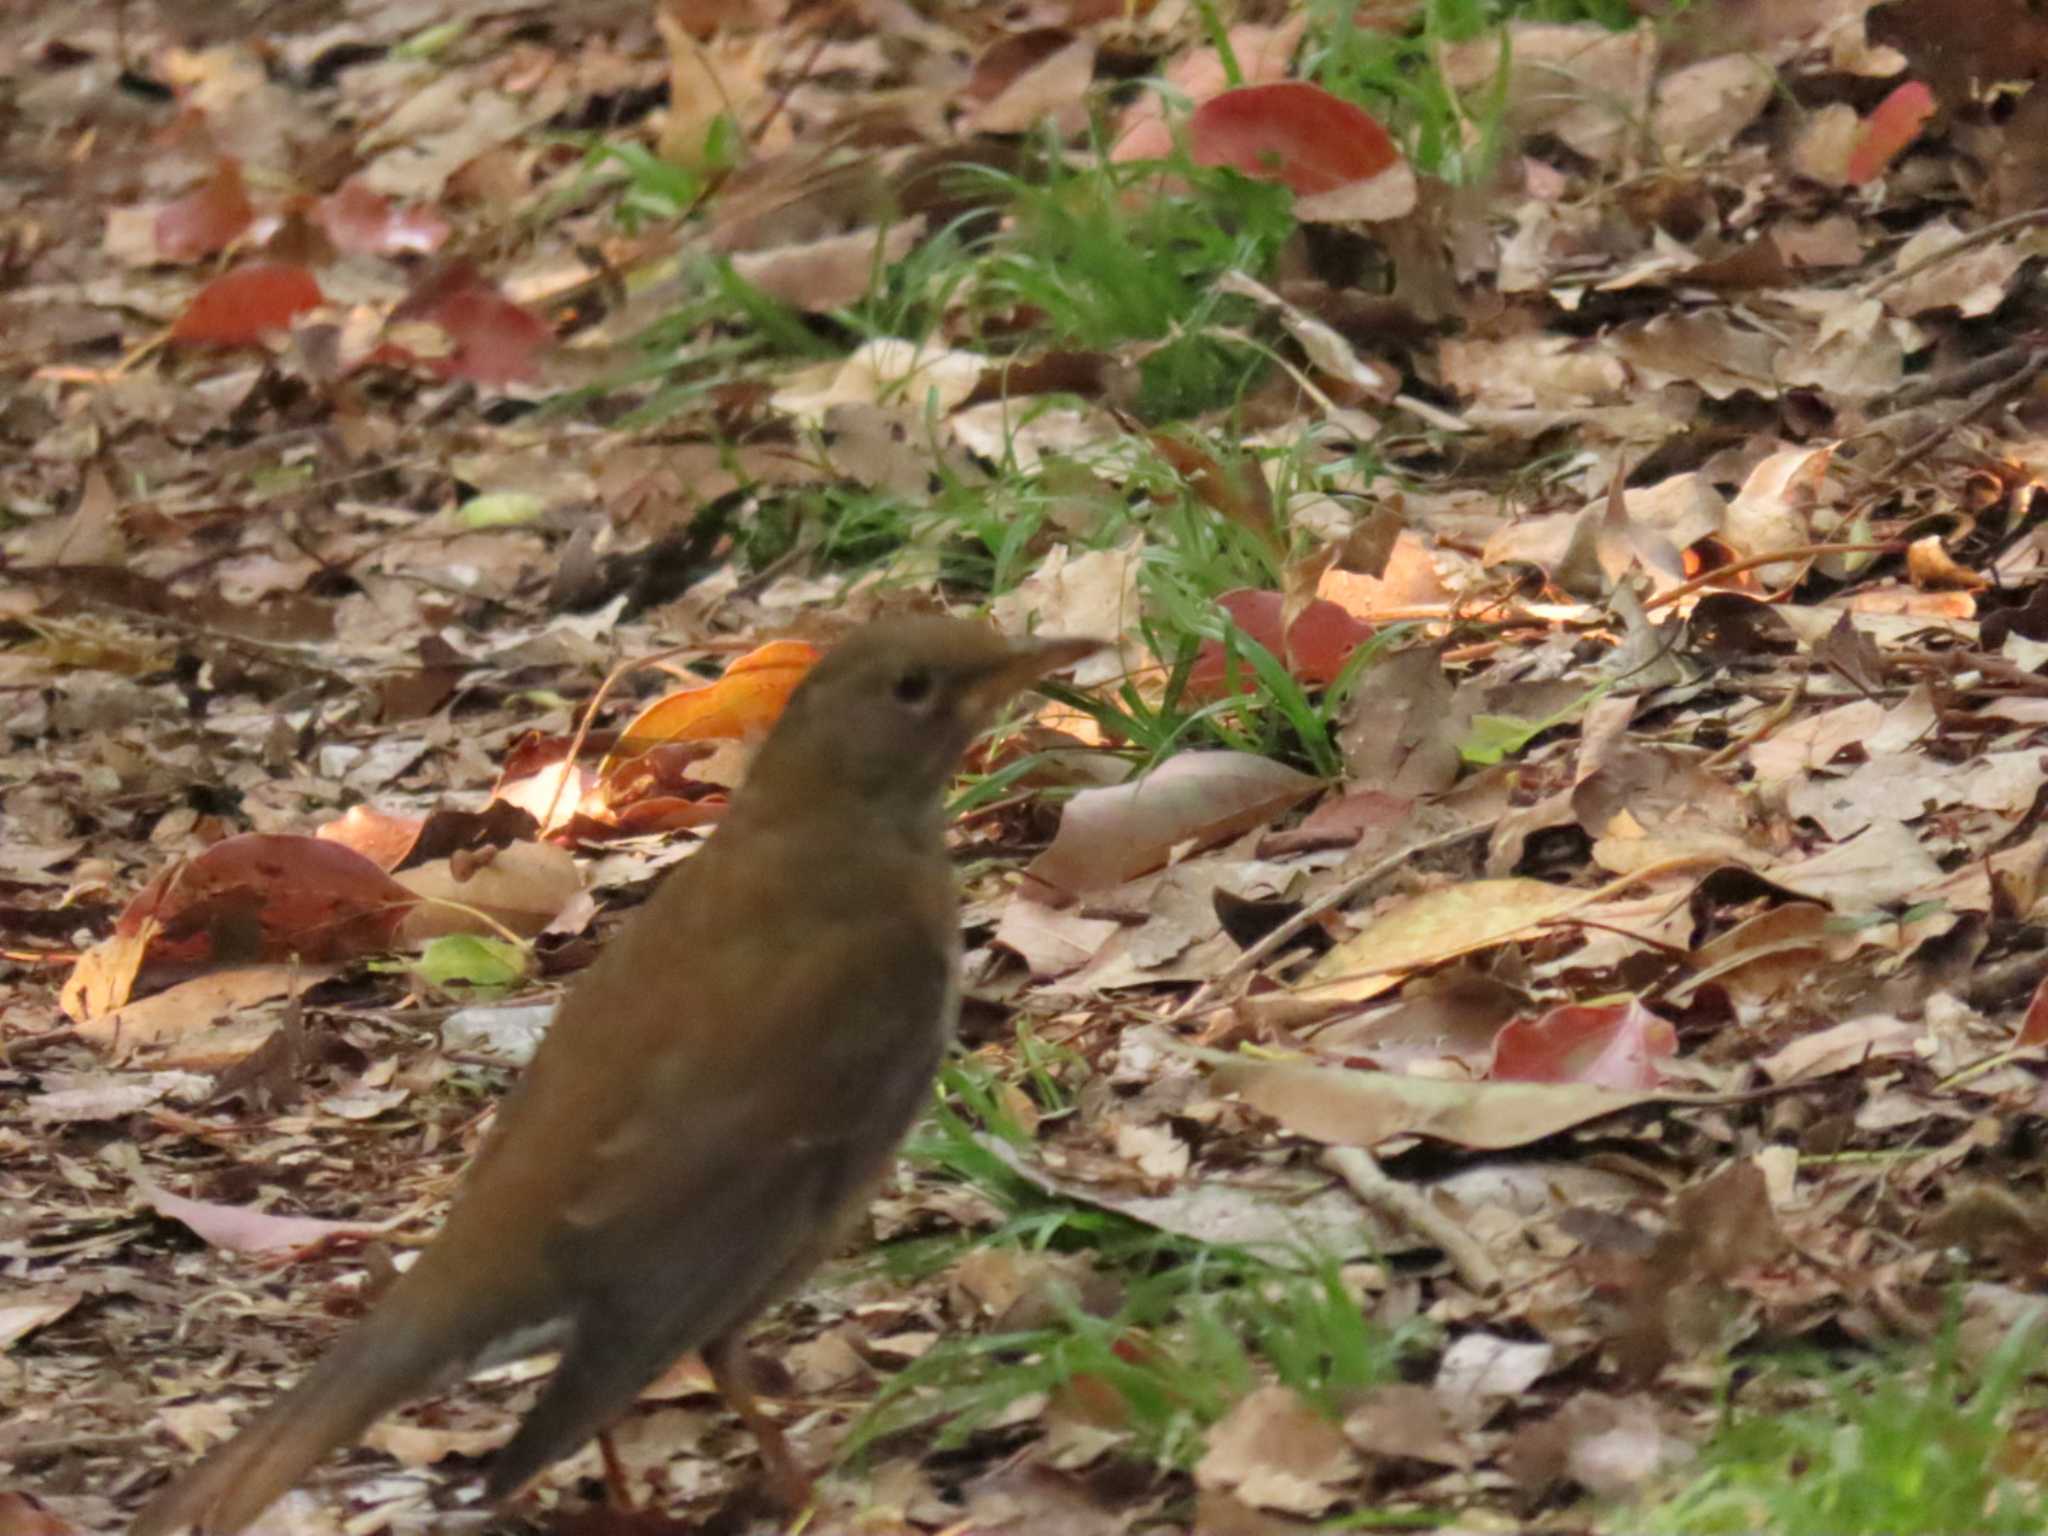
[913, 688]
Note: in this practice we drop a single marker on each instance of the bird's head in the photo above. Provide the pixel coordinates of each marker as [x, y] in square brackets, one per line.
[889, 711]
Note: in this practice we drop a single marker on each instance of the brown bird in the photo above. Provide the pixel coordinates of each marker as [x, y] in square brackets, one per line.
[715, 1098]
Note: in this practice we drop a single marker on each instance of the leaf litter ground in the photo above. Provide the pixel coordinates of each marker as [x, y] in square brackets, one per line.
[1532, 924]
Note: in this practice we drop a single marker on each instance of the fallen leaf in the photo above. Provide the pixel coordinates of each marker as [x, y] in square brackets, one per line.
[207, 218]
[1892, 124]
[741, 705]
[242, 1229]
[241, 307]
[1615, 1045]
[1435, 926]
[198, 1004]
[1107, 835]
[520, 887]
[1362, 1109]
[23, 1310]
[1274, 1451]
[1334, 156]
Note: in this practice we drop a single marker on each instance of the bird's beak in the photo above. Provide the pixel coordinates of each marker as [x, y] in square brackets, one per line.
[1028, 661]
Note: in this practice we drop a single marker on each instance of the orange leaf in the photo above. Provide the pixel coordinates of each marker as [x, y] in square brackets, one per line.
[744, 702]
[238, 307]
[1893, 124]
[379, 836]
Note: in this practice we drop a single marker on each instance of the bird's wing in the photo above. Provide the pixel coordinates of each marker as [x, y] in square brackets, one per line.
[686, 1226]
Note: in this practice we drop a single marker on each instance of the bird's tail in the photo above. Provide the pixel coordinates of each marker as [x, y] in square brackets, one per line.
[396, 1353]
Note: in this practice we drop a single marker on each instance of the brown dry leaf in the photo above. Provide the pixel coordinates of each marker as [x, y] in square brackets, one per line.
[1403, 724]
[1195, 799]
[91, 535]
[257, 896]
[1579, 81]
[1703, 106]
[1709, 348]
[1481, 1372]
[105, 975]
[419, 1445]
[1843, 1048]
[24, 1309]
[1436, 926]
[1363, 1109]
[1093, 594]
[1775, 507]
[1287, 1212]
[1408, 1422]
[521, 887]
[23, 1514]
[198, 1004]
[1052, 941]
[1770, 955]
[831, 272]
[1882, 865]
[1612, 1447]
[1274, 1451]
[1055, 89]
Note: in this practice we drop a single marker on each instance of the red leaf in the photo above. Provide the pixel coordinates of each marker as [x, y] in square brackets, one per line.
[1610, 1047]
[263, 896]
[357, 219]
[239, 307]
[2034, 1023]
[207, 218]
[1892, 125]
[1295, 133]
[494, 340]
[1314, 649]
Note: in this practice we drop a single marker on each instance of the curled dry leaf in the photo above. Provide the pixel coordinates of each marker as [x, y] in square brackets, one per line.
[264, 895]
[22, 1312]
[260, 896]
[197, 1004]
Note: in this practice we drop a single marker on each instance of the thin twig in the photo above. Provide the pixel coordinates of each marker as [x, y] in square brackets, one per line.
[1975, 238]
[1377, 1191]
